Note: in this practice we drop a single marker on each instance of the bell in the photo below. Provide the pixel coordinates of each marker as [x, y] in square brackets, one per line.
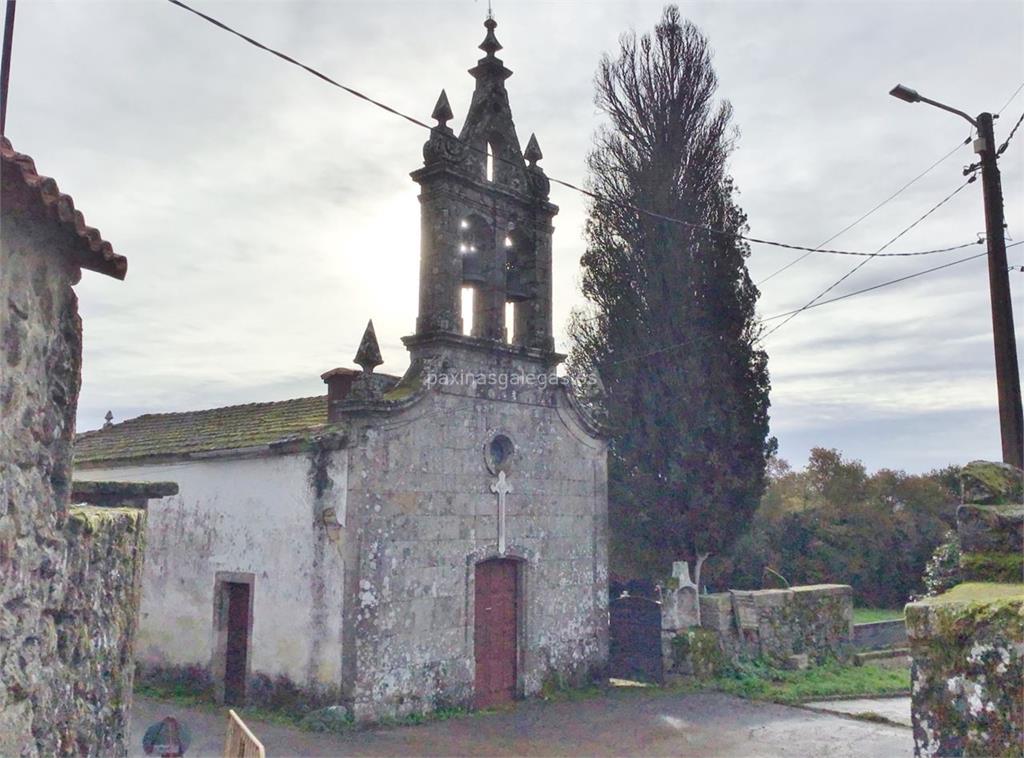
[518, 284]
[473, 268]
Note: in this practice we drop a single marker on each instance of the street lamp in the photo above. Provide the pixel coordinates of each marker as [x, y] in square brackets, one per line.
[1011, 414]
[905, 93]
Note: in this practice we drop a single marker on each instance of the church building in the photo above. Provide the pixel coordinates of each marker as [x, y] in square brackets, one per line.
[398, 544]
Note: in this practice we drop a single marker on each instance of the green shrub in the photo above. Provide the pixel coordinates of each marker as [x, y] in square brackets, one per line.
[942, 572]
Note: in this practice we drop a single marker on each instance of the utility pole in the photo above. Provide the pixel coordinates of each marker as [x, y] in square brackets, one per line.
[1011, 410]
[5, 63]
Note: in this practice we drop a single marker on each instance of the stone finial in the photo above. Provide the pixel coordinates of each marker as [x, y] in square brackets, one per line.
[442, 110]
[108, 420]
[490, 45]
[533, 152]
[368, 354]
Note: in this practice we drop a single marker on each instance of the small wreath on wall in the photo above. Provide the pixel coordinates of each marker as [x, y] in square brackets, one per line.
[499, 452]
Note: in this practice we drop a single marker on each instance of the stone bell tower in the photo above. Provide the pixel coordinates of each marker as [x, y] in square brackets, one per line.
[485, 225]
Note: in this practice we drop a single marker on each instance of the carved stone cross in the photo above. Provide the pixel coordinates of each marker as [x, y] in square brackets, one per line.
[501, 488]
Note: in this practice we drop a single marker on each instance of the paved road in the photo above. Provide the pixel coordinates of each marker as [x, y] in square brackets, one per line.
[708, 725]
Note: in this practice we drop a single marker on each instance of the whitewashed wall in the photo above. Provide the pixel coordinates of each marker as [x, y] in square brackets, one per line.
[255, 515]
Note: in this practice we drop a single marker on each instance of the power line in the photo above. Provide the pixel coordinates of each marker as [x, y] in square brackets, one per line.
[1011, 98]
[864, 262]
[848, 227]
[834, 299]
[878, 286]
[830, 301]
[746, 238]
[303, 66]
[569, 185]
[1006, 142]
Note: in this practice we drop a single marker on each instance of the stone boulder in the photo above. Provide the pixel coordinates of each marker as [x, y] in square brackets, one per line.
[989, 483]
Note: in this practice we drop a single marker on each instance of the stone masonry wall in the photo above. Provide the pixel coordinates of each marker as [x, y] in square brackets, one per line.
[422, 514]
[40, 336]
[65, 673]
[967, 645]
[968, 665]
[814, 620]
[95, 628]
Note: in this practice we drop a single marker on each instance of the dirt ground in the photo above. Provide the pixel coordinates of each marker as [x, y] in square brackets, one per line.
[708, 725]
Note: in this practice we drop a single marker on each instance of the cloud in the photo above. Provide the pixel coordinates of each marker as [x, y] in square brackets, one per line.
[267, 215]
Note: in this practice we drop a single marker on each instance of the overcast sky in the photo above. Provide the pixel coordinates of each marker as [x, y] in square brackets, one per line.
[266, 215]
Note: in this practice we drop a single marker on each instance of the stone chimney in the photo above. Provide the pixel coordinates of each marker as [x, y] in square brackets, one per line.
[339, 384]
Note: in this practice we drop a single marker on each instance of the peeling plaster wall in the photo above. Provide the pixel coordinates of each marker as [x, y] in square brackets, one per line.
[258, 516]
[421, 514]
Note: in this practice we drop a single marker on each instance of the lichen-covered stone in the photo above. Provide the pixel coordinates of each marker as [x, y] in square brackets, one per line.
[990, 528]
[992, 567]
[990, 483]
[698, 652]
[40, 354]
[95, 633]
[68, 579]
[776, 624]
[968, 664]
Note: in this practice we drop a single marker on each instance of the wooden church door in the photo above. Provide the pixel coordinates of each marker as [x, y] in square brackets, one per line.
[496, 632]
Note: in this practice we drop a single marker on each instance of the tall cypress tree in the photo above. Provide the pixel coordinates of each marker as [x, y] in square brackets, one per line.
[670, 327]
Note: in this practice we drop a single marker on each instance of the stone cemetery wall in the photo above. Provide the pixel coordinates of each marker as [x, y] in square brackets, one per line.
[815, 620]
[790, 627]
[878, 635]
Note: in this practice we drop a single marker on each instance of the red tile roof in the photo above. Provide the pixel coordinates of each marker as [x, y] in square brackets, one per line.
[93, 252]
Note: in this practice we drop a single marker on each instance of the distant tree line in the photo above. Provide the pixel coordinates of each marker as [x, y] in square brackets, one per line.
[834, 522]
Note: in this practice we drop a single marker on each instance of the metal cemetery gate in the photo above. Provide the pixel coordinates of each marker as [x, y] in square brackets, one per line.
[635, 639]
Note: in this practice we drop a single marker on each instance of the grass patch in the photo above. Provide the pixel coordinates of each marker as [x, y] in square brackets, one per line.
[177, 693]
[978, 592]
[759, 681]
[870, 615]
[874, 718]
[322, 720]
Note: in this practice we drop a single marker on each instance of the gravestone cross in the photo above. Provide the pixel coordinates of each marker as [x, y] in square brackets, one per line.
[501, 488]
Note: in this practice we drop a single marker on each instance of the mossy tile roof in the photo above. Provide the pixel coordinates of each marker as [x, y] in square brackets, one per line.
[162, 435]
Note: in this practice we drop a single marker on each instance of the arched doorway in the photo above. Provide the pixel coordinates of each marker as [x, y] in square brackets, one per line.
[496, 631]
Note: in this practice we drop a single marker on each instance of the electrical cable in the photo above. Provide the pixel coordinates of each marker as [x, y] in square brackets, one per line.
[1006, 142]
[1011, 98]
[566, 184]
[864, 262]
[831, 300]
[848, 227]
[879, 286]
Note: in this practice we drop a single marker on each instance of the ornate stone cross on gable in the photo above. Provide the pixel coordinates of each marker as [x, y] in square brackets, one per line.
[501, 488]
